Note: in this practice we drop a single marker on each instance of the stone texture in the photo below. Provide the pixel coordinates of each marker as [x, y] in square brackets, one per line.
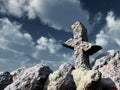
[104, 58]
[87, 79]
[30, 78]
[79, 42]
[84, 78]
[61, 79]
[109, 65]
[66, 68]
[5, 79]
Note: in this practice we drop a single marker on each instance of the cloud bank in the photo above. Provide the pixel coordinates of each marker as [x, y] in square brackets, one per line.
[59, 14]
[109, 36]
[18, 49]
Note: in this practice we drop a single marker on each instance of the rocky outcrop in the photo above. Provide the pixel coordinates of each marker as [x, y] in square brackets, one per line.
[68, 78]
[104, 58]
[5, 79]
[61, 79]
[32, 78]
[109, 65]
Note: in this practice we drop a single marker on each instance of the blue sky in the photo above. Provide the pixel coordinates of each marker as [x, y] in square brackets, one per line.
[32, 31]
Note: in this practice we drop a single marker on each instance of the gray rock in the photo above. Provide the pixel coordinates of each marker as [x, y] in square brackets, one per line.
[5, 79]
[104, 58]
[109, 65]
[32, 78]
[61, 79]
[66, 68]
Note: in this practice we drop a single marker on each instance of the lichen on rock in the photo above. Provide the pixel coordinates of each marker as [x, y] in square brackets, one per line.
[86, 79]
[54, 76]
[61, 79]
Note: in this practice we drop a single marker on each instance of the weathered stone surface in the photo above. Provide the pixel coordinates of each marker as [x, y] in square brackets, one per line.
[79, 42]
[5, 79]
[84, 78]
[104, 58]
[30, 78]
[61, 79]
[66, 68]
[69, 44]
[87, 79]
[109, 65]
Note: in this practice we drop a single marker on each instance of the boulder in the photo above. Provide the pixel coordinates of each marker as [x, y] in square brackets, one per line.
[87, 79]
[32, 78]
[5, 79]
[109, 65]
[66, 68]
[104, 58]
[61, 79]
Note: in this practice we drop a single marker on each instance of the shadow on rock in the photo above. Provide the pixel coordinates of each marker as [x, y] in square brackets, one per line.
[108, 84]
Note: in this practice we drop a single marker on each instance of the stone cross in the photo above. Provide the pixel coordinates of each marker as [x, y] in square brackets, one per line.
[82, 48]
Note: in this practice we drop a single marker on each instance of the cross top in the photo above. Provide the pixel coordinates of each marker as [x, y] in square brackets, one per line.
[79, 43]
[78, 31]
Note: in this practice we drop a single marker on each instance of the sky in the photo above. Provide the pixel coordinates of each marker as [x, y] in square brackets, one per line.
[32, 31]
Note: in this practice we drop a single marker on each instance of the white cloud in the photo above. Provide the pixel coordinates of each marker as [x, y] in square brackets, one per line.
[59, 14]
[109, 36]
[42, 43]
[50, 44]
[18, 49]
[14, 45]
[12, 37]
[13, 7]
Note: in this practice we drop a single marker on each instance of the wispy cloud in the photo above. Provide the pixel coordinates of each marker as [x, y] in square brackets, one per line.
[109, 36]
[13, 45]
[97, 19]
[59, 14]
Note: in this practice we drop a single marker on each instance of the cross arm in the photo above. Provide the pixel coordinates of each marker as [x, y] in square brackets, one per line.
[89, 48]
[69, 43]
